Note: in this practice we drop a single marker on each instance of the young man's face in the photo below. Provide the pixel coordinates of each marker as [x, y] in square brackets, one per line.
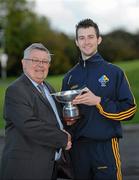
[87, 41]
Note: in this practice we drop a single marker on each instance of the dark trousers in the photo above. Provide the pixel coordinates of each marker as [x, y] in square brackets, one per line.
[96, 160]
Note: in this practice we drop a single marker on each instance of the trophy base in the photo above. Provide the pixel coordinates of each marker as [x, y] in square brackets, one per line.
[71, 120]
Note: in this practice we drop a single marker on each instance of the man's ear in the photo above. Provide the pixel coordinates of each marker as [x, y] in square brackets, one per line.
[22, 62]
[49, 65]
[99, 40]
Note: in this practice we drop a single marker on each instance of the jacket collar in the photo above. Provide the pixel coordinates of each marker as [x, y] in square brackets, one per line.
[95, 58]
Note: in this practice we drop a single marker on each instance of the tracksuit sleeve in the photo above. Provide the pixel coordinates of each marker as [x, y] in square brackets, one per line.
[123, 107]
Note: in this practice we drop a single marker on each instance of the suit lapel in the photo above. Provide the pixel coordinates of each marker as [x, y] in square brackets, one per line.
[34, 89]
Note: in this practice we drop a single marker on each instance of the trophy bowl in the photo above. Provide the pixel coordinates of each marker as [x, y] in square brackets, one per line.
[70, 111]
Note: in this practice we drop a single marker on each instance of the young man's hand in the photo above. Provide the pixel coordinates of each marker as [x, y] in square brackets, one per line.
[87, 98]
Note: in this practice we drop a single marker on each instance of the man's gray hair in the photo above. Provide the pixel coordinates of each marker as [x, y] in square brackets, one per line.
[38, 46]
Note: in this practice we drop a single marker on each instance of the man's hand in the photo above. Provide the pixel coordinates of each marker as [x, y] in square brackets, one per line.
[69, 143]
[88, 98]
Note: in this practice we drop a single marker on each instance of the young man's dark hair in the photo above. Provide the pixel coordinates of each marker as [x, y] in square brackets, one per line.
[85, 24]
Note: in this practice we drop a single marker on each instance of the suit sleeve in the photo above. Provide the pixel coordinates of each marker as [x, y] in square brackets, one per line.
[123, 107]
[20, 113]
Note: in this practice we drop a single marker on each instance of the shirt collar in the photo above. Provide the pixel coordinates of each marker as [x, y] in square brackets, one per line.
[33, 82]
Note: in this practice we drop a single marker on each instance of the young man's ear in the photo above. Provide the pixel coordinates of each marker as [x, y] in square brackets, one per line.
[99, 40]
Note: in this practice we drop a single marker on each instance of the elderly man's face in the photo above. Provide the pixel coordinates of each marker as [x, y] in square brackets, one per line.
[37, 65]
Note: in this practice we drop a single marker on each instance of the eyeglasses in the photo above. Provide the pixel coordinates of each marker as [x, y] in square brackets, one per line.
[37, 62]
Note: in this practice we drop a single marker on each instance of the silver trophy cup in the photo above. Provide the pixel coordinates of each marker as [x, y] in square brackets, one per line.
[70, 111]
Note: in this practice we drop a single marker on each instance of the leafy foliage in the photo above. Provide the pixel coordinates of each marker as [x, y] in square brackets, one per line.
[20, 26]
[119, 45]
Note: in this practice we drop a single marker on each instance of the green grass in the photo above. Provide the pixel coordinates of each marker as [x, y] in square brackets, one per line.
[55, 81]
[2, 91]
[3, 86]
[131, 69]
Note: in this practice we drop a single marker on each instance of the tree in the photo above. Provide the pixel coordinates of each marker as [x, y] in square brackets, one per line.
[118, 45]
[24, 27]
[14, 14]
[21, 26]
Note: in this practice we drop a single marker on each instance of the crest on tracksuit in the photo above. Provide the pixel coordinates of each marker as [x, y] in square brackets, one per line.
[103, 80]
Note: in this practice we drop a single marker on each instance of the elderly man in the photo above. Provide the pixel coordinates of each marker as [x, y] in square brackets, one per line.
[34, 132]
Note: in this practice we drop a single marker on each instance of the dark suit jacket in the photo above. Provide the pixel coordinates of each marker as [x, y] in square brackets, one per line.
[32, 133]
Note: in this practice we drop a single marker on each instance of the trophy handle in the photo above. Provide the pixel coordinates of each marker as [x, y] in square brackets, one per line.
[53, 94]
[59, 100]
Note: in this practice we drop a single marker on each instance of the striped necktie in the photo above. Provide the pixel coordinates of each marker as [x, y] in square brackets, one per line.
[50, 99]
[41, 88]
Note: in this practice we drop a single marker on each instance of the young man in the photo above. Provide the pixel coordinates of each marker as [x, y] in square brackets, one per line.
[34, 132]
[106, 102]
